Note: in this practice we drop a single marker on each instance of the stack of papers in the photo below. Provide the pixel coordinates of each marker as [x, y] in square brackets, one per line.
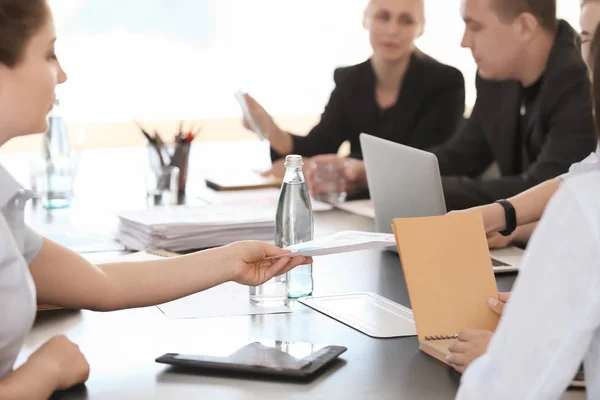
[188, 228]
[252, 198]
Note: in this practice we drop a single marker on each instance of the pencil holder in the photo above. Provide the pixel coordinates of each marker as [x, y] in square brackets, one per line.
[162, 180]
[180, 159]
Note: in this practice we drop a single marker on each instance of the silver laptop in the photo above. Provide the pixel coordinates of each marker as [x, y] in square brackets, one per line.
[406, 182]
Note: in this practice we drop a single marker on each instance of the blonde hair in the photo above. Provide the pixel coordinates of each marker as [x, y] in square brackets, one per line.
[421, 8]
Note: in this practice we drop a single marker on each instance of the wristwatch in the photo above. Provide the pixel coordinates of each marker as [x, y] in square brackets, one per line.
[510, 215]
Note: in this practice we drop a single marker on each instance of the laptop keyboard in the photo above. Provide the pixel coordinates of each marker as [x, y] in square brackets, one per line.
[497, 263]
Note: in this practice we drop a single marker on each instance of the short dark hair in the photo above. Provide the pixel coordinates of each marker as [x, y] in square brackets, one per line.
[19, 21]
[594, 65]
[543, 10]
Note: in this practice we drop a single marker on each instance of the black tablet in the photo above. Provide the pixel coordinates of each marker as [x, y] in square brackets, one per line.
[275, 358]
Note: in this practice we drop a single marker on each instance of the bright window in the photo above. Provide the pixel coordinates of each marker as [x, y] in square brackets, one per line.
[176, 59]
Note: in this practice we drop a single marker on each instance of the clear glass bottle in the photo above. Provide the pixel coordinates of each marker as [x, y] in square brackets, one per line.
[272, 293]
[294, 224]
[58, 163]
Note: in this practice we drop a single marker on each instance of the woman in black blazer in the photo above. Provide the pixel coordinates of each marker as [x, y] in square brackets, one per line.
[399, 94]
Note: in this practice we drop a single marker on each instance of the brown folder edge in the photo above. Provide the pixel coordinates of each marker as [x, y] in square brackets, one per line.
[422, 345]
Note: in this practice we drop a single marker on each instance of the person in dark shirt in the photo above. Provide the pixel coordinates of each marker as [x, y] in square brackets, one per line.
[399, 94]
[532, 117]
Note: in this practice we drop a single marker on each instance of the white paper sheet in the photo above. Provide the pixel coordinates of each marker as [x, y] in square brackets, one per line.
[241, 99]
[342, 242]
[226, 300]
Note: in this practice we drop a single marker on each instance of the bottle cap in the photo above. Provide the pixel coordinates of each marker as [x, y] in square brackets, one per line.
[293, 161]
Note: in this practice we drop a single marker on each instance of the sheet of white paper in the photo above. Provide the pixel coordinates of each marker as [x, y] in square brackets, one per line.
[241, 99]
[226, 300]
[254, 198]
[342, 242]
[358, 207]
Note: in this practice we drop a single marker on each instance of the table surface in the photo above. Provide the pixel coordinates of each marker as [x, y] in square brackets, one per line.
[121, 346]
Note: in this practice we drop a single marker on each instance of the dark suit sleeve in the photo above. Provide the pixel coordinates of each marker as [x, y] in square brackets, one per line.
[328, 135]
[467, 153]
[444, 110]
[570, 138]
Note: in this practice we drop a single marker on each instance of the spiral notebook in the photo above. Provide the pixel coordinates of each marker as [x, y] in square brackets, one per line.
[449, 276]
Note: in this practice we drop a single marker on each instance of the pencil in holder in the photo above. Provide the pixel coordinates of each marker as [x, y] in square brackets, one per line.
[180, 159]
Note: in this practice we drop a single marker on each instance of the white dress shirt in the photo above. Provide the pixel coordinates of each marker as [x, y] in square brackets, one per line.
[552, 321]
[19, 245]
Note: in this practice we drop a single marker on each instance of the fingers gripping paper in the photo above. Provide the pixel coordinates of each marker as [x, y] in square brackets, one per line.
[449, 276]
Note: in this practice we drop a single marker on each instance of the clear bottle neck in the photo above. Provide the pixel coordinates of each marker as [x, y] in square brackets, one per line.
[293, 175]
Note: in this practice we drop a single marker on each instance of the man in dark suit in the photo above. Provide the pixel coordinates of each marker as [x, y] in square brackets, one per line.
[533, 114]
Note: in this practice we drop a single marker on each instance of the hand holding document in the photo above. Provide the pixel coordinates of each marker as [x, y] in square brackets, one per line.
[342, 242]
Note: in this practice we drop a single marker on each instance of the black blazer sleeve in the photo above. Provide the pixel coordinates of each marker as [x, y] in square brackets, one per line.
[328, 135]
[443, 110]
[569, 139]
[467, 152]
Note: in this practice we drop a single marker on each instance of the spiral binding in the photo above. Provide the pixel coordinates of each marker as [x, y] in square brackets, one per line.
[441, 337]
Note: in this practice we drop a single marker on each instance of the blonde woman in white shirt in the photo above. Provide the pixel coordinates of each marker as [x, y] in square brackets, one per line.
[552, 321]
[528, 206]
[33, 268]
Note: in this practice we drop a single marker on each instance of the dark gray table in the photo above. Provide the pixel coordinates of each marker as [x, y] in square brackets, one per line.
[121, 346]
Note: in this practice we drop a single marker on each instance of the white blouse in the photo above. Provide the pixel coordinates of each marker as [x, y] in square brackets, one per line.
[552, 321]
[590, 163]
[19, 245]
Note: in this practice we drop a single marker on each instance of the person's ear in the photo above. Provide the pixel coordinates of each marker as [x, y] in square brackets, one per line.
[420, 30]
[526, 25]
[365, 21]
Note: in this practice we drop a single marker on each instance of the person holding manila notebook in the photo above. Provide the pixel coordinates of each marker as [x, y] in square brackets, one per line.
[449, 276]
[551, 324]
